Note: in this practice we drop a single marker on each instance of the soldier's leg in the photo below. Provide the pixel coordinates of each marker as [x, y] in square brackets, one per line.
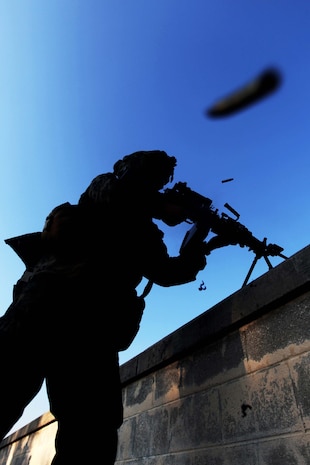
[18, 386]
[23, 329]
[85, 397]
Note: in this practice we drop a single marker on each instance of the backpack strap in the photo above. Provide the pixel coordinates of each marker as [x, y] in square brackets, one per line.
[147, 289]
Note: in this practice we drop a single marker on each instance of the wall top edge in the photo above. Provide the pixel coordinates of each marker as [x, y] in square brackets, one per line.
[276, 287]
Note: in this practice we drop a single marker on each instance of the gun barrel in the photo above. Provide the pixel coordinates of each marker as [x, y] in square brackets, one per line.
[232, 232]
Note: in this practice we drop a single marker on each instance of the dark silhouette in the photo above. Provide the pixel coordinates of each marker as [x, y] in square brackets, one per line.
[77, 306]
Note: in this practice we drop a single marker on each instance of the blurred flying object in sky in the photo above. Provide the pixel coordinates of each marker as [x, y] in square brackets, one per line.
[259, 88]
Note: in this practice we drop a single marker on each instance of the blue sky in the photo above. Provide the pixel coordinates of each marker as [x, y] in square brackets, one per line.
[84, 83]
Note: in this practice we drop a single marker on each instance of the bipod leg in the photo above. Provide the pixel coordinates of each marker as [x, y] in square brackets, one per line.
[250, 271]
[268, 262]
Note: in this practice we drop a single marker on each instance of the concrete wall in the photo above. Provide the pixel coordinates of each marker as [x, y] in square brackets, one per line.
[230, 387]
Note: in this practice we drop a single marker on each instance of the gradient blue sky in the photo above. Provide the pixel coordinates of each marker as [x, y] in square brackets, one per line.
[84, 83]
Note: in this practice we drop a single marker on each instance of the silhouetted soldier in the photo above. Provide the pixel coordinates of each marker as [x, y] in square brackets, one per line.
[81, 298]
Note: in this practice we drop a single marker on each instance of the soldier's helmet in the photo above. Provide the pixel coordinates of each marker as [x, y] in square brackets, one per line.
[145, 170]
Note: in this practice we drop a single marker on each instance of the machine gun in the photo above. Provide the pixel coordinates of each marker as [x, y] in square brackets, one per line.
[228, 231]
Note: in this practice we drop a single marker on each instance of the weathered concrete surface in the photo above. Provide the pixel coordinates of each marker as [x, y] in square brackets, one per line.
[230, 387]
[31, 445]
